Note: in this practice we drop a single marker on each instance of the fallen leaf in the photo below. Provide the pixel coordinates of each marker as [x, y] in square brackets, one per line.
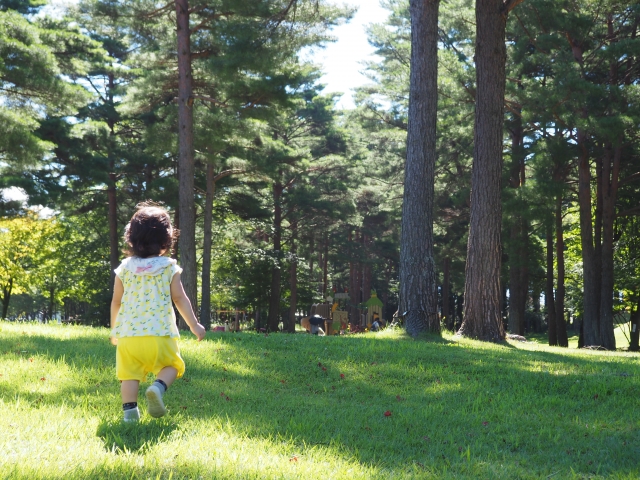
[485, 423]
[387, 413]
[342, 375]
[42, 378]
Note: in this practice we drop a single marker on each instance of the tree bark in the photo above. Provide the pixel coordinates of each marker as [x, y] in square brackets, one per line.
[482, 312]
[549, 296]
[367, 273]
[459, 310]
[417, 263]
[293, 279]
[325, 267]
[205, 297]
[518, 255]
[52, 291]
[590, 321]
[356, 284]
[561, 324]
[352, 274]
[446, 293]
[634, 331]
[6, 297]
[186, 166]
[273, 318]
[518, 278]
[610, 174]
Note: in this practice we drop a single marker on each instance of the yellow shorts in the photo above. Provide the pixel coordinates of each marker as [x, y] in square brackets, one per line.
[137, 356]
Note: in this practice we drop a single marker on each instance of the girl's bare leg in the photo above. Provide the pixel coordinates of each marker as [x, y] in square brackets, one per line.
[129, 390]
[168, 375]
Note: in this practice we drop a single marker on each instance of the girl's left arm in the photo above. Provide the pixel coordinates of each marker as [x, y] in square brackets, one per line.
[116, 301]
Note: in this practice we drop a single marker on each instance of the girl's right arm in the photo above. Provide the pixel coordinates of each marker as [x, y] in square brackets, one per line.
[183, 305]
[116, 301]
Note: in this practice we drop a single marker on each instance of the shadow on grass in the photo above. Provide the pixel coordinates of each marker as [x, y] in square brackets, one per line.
[122, 438]
[449, 401]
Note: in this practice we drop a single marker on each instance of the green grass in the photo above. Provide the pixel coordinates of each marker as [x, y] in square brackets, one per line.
[256, 406]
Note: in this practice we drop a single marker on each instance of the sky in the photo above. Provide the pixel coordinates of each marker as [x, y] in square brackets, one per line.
[342, 60]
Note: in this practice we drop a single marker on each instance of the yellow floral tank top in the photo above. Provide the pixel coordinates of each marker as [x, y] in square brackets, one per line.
[146, 302]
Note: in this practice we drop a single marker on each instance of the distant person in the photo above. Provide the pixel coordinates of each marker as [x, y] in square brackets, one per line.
[316, 322]
[143, 321]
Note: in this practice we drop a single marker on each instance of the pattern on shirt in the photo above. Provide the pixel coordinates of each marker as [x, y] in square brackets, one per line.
[146, 307]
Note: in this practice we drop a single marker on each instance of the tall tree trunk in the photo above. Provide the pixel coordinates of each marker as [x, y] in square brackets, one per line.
[610, 174]
[591, 275]
[518, 289]
[482, 312]
[549, 299]
[114, 243]
[561, 324]
[446, 293]
[273, 318]
[356, 296]
[6, 297]
[352, 284]
[417, 264]
[176, 226]
[186, 166]
[367, 272]
[52, 304]
[385, 294]
[518, 254]
[205, 296]
[114, 250]
[634, 319]
[293, 279]
[459, 311]
[325, 267]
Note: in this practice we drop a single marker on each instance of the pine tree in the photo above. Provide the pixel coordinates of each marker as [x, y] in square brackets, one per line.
[482, 308]
[417, 264]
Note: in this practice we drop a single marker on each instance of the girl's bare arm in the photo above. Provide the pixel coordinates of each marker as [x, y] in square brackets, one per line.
[183, 305]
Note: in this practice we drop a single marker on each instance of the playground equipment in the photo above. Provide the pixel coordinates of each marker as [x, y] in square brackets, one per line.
[336, 321]
[374, 309]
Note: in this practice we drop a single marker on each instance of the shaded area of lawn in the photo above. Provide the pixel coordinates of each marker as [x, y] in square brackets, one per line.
[454, 407]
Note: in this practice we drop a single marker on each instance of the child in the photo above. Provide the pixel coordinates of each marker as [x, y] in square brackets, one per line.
[142, 319]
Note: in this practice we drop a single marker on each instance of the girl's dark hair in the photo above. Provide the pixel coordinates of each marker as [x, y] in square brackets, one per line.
[149, 232]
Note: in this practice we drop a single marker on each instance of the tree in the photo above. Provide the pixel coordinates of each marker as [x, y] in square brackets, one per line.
[482, 308]
[37, 60]
[417, 264]
[21, 242]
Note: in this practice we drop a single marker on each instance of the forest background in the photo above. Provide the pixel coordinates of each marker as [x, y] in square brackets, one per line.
[295, 200]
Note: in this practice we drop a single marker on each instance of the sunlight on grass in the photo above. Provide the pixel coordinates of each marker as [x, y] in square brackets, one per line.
[300, 406]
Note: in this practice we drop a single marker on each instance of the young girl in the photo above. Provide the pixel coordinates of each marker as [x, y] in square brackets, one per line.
[142, 319]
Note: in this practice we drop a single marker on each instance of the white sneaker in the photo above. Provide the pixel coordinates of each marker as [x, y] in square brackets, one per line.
[132, 415]
[155, 404]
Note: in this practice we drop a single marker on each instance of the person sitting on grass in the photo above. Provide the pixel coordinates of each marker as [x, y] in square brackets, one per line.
[142, 319]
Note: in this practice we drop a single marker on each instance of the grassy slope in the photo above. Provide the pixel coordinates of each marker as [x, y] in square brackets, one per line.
[252, 406]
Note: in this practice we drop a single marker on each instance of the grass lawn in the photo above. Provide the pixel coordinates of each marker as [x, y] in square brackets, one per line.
[302, 406]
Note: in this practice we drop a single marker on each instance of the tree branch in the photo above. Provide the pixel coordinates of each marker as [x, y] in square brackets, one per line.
[509, 5]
